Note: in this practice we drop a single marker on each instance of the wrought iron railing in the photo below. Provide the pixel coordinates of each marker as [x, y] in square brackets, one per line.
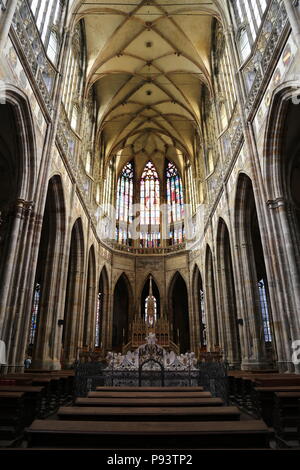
[212, 376]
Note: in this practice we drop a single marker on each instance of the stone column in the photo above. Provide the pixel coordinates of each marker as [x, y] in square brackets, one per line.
[294, 19]
[6, 20]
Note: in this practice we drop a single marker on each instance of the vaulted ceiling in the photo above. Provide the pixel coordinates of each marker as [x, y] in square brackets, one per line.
[148, 61]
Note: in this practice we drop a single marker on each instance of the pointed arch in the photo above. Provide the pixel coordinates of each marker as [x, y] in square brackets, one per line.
[231, 337]
[179, 312]
[199, 308]
[48, 276]
[71, 338]
[18, 102]
[122, 315]
[102, 309]
[254, 273]
[90, 299]
[211, 301]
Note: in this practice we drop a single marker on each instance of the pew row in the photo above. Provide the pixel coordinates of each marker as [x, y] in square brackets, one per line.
[156, 394]
[252, 434]
[149, 389]
[204, 413]
[143, 402]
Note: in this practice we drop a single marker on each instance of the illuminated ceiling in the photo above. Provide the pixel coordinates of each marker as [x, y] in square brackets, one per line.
[148, 61]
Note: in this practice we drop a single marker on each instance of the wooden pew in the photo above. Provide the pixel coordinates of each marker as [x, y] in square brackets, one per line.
[32, 400]
[142, 402]
[150, 389]
[264, 400]
[116, 413]
[134, 395]
[12, 420]
[287, 414]
[52, 389]
[245, 385]
[151, 435]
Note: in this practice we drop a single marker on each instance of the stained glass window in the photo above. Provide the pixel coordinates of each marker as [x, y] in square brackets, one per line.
[265, 311]
[174, 194]
[175, 203]
[124, 210]
[34, 315]
[150, 207]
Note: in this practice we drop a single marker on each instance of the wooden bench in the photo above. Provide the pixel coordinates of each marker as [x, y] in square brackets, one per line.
[264, 400]
[151, 435]
[53, 385]
[12, 420]
[134, 395]
[150, 389]
[245, 385]
[32, 400]
[287, 414]
[148, 402]
[205, 413]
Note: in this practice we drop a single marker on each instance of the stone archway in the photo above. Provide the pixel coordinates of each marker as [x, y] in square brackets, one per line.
[18, 222]
[47, 280]
[257, 315]
[90, 301]
[179, 312]
[213, 337]
[121, 307]
[71, 335]
[228, 305]
[199, 309]
[101, 317]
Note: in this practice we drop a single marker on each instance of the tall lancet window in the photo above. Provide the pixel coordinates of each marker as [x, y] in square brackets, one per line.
[34, 314]
[175, 203]
[150, 207]
[124, 213]
[263, 300]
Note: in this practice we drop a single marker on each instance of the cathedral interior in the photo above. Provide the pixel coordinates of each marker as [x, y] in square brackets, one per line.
[152, 156]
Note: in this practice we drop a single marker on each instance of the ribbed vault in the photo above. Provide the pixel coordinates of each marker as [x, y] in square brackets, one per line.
[148, 61]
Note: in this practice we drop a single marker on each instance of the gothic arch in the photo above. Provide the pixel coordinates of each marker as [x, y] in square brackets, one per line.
[275, 134]
[253, 270]
[103, 306]
[179, 311]
[72, 331]
[20, 105]
[48, 276]
[122, 312]
[226, 279]
[199, 308]
[18, 163]
[211, 301]
[90, 300]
